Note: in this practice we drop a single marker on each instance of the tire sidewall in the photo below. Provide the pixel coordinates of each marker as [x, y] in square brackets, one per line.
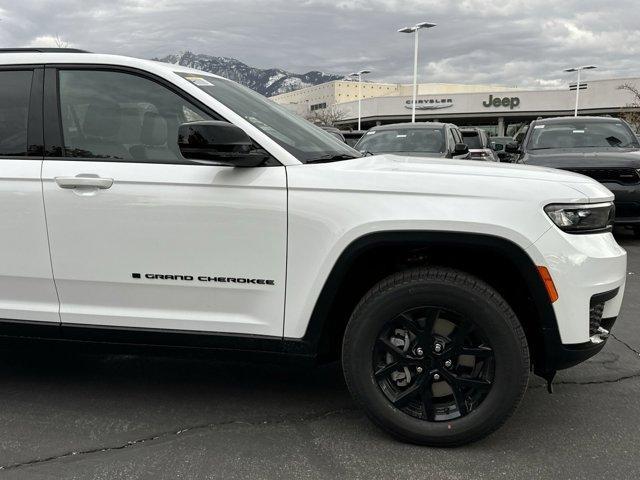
[510, 363]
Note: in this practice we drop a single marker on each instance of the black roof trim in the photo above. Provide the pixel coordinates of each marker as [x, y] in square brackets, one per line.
[42, 50]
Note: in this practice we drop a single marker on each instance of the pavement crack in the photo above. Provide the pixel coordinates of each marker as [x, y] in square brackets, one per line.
[591, 382]
[176, 433]
[636, 352]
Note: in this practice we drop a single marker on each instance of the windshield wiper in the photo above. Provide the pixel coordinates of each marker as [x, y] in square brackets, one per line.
[331, 158]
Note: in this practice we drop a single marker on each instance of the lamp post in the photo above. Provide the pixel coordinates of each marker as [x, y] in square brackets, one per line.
[359, 75]
[579, 69]
[415, 29]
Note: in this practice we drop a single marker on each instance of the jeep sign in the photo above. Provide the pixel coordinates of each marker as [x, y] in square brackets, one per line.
[511, 102]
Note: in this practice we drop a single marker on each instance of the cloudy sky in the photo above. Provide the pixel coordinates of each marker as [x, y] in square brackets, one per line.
[510, 42]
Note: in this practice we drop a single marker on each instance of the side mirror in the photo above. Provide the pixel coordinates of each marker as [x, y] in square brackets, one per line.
[460, 149]
[512, 147]
[215, 142]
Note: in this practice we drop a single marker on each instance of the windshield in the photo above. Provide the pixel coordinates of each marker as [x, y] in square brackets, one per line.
[472, 139]
[581, 134]
[299, 137]
[412, 140]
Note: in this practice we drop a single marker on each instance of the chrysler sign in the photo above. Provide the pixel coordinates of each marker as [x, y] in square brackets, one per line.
[430, 103]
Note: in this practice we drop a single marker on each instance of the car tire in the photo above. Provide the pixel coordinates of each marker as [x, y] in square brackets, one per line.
[417, 321]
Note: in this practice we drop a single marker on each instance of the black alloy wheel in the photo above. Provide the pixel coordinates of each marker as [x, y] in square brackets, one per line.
[433, 364]
[435, 356]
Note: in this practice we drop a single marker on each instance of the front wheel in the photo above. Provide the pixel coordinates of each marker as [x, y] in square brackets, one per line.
[435, 357]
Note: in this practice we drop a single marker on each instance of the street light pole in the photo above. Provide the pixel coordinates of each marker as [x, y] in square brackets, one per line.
[579, 69]
[415, 30]
[359, 75]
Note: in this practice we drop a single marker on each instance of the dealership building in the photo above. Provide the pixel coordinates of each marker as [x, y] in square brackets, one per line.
[501, 110]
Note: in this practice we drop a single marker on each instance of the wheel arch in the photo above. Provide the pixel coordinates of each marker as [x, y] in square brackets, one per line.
[371, 257]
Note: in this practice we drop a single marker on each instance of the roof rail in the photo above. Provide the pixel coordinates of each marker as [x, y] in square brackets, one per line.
[42, 50]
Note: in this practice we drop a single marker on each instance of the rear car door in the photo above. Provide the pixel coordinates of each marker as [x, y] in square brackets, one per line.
[27, 290]
[142, 238]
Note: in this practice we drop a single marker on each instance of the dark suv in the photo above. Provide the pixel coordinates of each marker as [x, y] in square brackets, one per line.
[602, 148]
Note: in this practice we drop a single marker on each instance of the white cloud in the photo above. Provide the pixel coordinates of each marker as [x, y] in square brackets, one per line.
[512, 42]
[49, 41]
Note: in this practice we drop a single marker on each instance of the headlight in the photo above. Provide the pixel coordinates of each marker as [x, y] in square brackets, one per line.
[582, 218]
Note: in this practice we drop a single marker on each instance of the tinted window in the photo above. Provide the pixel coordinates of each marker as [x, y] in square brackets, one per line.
[472, 139]
[457, 135]
[450, 138]
[14, 111]
[351, 141]
[120, 116]
[581, 134]
[411, 140]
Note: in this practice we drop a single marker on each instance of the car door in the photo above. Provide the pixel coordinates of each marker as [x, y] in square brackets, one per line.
[27, 291]
[142, 238]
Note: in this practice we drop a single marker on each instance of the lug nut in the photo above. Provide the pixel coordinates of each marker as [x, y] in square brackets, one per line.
[419, 369]
[419, 352]
[436, 376]
[437, 347]
[448, 364]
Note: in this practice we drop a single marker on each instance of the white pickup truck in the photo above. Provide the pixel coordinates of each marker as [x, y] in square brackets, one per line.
[147, 204]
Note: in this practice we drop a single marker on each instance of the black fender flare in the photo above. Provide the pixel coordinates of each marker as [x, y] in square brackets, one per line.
[553, 355]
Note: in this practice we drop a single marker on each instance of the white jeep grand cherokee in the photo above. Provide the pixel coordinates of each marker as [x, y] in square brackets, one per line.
[150, 204]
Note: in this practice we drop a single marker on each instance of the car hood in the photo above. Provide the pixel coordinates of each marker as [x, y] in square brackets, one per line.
[433, 165]
[584, 157]
[442, 176]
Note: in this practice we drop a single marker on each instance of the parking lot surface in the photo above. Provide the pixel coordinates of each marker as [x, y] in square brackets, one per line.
[121, 417]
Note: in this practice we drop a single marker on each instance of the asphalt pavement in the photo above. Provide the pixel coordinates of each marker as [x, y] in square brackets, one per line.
[133, 417]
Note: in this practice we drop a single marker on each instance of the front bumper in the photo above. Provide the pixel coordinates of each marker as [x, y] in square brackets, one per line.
[559, 356]
[589, 273]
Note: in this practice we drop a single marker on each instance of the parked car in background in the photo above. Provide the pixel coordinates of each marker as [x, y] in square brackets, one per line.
[498, 145]
[478, 142]
[602, 148]
[351, 137]
[333, 131]
[429, 139]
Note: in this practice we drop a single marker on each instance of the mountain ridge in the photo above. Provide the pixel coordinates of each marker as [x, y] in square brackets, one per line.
[268, 82]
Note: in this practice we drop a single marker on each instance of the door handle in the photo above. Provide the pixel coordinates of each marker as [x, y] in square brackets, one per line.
[84, 182]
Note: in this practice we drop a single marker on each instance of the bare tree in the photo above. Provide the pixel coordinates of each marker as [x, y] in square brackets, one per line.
[60, 43]
[631, 112]
[326, 116]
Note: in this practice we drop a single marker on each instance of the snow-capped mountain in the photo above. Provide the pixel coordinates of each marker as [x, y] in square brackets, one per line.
[268, 82]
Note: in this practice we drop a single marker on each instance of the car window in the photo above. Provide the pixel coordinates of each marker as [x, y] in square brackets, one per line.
[302, 139]
[472, 139]
[120, 116]
[450, 138]
[580, 134]
[411, 140]
[15, 87]
[457, 135]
